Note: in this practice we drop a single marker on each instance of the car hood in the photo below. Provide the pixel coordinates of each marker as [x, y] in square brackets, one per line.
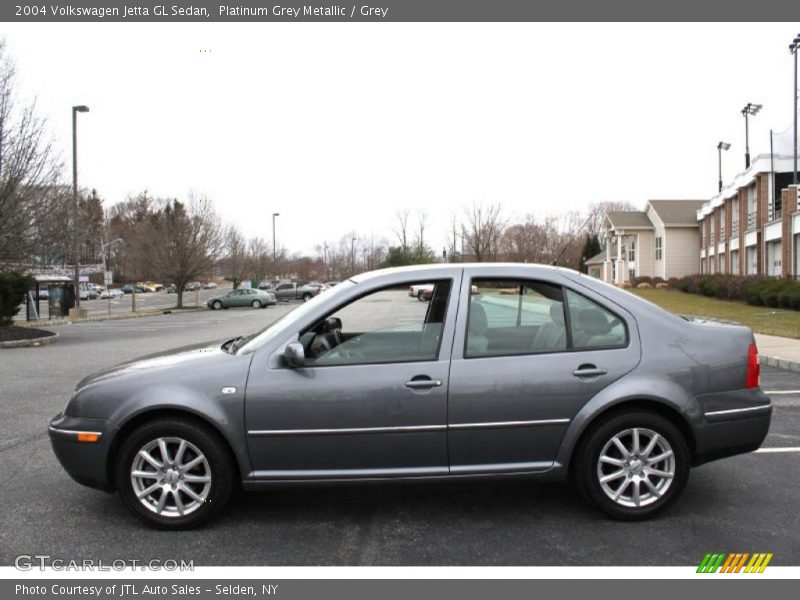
[196, 357]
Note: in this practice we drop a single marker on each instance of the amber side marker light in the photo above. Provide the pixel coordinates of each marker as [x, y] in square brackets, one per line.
[89, 438]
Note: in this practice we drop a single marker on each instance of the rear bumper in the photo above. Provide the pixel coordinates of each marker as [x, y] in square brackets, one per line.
[86, 463]
[732, 423]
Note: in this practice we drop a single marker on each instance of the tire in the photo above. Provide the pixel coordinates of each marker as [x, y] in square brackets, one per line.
[199, 441]
[419, 297]
[661, 490]
[216, 305]
[256, 304]
[306, 297]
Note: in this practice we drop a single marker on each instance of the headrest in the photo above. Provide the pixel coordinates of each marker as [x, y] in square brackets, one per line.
[478, 323]
[593, 322]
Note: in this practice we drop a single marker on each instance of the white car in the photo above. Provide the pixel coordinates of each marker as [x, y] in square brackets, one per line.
[417, 291]
[112, 293]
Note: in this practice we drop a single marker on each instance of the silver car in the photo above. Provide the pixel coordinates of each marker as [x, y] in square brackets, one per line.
[243, 297]
[544, 373]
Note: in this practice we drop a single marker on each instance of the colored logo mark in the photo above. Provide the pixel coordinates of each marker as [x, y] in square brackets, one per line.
[735, 562]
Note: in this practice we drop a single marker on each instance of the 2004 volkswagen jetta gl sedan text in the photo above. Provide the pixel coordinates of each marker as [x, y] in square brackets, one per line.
[509, 371]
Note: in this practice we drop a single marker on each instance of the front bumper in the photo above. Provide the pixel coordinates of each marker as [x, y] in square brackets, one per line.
[733, 423]
[86, 462]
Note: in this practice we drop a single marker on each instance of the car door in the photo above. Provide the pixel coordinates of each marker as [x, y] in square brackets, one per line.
[284, 291]
[371, 400]
[524, 364]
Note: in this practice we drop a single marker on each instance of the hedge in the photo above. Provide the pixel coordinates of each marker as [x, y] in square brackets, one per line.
[753, 289]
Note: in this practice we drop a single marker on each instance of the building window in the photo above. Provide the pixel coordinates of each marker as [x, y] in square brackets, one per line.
[659, 247]
[631, 274]
[721, 264]
[632, 251]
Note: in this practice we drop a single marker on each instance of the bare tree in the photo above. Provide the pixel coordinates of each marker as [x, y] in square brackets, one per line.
[482, 228]
[182, 240]
[29, 168]
[453, 234]
[260, 257]
[235, 264]
[402, 229]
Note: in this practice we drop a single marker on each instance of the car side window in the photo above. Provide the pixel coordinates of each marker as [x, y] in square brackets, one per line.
[593, 326]
[508, 316]
[384, 326]
[284, 286]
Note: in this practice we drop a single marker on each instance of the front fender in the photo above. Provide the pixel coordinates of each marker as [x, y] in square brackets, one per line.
[224, 412]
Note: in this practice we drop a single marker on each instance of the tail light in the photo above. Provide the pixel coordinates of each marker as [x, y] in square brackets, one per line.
[753, 368]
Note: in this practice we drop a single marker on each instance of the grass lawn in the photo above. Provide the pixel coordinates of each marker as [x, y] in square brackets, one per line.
[761, 319]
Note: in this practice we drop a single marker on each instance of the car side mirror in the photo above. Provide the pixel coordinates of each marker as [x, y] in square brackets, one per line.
[295, 355]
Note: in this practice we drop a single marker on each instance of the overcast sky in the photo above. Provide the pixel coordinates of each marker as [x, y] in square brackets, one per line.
[337, 126]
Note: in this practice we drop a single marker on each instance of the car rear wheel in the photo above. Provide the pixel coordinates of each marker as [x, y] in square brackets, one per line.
[632, 465]
[174, 473]
[256, 304]
[306, 297]
[420, 297]
[216, 305]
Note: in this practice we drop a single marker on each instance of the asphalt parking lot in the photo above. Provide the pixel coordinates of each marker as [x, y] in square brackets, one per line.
[746, 503]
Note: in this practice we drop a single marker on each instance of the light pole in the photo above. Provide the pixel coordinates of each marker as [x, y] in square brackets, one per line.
[274, 253]
[353, 255]
[747, 111]
[76, 247]
[793, 49]
[720, 147]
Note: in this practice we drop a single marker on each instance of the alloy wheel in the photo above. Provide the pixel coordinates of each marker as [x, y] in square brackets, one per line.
[171, 477]
[636, 467]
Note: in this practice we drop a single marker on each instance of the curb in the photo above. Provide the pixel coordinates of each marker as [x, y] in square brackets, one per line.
[42, 341]
[113, 317]
[781, 363]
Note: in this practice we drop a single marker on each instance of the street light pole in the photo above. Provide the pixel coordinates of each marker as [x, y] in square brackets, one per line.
[793, 49]
[76, 246]
[720, 147]
[274, 246]
[749, 109]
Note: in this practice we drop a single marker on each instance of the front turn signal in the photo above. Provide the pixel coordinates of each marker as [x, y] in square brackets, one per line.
[89, 438]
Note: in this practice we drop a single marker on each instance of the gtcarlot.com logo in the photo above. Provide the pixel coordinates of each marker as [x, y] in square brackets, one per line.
[736, 562]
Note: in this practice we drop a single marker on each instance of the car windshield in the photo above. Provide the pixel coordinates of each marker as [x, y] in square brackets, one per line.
[298, 314]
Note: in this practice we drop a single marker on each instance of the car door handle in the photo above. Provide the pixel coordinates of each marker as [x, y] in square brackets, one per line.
[589, 371]
[423, 384]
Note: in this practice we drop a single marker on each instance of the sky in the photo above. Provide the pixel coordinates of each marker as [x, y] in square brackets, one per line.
[337, 126]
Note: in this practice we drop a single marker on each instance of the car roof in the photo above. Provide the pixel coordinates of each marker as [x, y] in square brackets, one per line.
[441, 269]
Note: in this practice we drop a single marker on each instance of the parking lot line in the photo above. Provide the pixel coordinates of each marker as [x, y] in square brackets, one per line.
[784, 392]
[785, 449]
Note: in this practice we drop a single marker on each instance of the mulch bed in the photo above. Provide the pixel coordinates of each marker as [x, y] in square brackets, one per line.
[14, 334]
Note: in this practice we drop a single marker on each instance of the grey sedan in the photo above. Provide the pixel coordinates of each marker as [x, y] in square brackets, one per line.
[243, 297]
[544, 373]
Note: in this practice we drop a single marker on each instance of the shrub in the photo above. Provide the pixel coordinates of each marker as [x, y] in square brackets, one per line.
[13, 287]
[754, 289]
[635, 281]
[662, 285]
[644, 286]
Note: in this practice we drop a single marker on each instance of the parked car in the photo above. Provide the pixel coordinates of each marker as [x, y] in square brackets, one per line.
[156, 287]
[266, 285]
[192, 286]
[87, 293]
[133, 288]
[296, 291]
[243, 297]
[210, 286]
[559, 375]
[112, 293]
[418, 290]
[172, 289]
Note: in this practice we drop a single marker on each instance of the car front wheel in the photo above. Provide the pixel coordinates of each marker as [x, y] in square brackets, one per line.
[216, 305]
[256, 304]
[174, 473]
[632, 465]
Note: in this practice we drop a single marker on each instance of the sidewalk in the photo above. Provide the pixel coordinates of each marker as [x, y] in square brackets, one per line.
[150, 312]
[780, 352]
